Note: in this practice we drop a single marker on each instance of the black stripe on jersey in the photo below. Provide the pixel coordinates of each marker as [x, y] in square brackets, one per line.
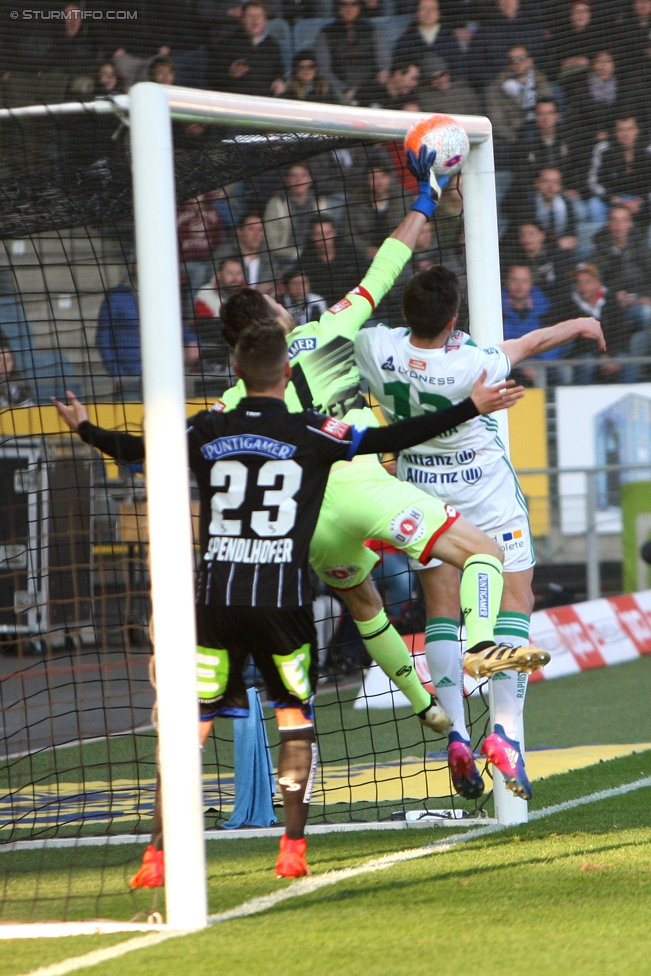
[302, 387]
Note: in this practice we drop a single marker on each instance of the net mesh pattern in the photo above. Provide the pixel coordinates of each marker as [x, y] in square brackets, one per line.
[78, 746]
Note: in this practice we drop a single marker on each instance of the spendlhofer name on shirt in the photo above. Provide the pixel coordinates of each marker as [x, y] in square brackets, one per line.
[224, 549]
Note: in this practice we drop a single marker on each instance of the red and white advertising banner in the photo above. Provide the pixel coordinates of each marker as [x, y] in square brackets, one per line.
[587, 635]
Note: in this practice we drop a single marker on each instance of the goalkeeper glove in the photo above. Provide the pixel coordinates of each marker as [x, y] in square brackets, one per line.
[429, 190]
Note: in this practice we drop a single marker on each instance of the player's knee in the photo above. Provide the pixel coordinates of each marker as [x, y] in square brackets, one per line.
[294, 724]
[205, 727]
[494, 549]
[364, 601]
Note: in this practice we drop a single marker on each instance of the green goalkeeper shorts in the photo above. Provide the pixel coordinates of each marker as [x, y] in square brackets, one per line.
[362, 501]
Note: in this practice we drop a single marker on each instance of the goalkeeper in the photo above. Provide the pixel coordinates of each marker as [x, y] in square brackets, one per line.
[362, 500]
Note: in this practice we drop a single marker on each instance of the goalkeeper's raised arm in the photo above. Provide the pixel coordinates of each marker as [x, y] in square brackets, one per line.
[324, 371]
[398, 247]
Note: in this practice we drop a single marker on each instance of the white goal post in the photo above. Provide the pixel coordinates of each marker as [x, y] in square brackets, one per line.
[151, 108]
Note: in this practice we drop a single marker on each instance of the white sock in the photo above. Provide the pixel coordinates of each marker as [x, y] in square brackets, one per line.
[510, 687]
[443, 649]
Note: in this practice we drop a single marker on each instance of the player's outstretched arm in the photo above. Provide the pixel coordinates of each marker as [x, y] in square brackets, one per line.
[117, 444]
[417, 430]
[542, 340]
[394, 252]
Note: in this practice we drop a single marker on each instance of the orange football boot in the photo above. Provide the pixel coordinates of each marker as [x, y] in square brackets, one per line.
[291, 861]
[151, 873]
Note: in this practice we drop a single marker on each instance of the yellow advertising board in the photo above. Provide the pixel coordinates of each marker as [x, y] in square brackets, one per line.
[527, 431]
[528, 442]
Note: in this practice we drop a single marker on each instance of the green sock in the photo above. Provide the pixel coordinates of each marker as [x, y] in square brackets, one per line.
[386, 646]
[481, 594]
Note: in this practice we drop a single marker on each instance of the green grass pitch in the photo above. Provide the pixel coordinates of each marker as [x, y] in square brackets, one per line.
[567, 894]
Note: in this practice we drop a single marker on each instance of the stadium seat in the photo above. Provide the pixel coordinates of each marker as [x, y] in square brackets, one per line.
[307, 31]
[281, 32]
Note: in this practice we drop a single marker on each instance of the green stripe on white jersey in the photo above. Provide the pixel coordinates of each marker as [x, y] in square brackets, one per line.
[408, 381]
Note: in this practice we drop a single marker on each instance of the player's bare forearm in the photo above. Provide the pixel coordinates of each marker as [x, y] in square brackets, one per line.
[543, 340]
[409, 228]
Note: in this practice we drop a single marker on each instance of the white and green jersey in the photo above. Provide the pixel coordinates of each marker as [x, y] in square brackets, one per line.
[468, 466]
[408, 381]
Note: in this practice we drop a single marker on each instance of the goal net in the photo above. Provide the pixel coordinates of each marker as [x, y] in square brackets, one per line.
[293, 213]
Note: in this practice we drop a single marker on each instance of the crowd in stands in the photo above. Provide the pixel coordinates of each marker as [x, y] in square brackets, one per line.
[564, 82]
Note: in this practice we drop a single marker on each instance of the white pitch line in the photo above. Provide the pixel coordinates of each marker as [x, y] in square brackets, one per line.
[308, 885]
[97, 956]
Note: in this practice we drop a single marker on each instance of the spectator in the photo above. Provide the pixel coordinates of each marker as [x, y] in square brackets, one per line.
[552, 211]
[227, 279]
[14, 389]
[448, 223]
[509, 27]
[118, 338]
[161, 70]
[375, 209]
[549, 265]
[525, 308]
[621, 170]
[511, 102]
[635, 44]
[74, 51]
[249, 62]
[347, 52]
[175, 29]
[439, 242]
[398, 90]
[304, 304]
[288, 215]
[594, 100]
[425, 36]
[621, 254]
[306, 84]
[439, 93]
[252, 252]
[588, 296]
[550, 146]
[624, 263]
[329, 264]
[108, 80]
[214, 365]
[339, 171]
[200, 232]
[575, 43]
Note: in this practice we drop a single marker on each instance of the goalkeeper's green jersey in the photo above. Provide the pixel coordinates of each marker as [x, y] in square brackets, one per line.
[324, 372]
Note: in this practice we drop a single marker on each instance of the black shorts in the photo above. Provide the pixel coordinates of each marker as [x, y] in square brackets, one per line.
[282, 644]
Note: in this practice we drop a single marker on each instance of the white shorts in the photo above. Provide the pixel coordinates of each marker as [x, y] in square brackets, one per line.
[494, 503]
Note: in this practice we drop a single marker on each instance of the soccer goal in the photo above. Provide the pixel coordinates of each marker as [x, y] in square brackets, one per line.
[86, 545]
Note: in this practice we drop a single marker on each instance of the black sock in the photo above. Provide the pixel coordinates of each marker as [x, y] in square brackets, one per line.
[296, 771]
[157, 818]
